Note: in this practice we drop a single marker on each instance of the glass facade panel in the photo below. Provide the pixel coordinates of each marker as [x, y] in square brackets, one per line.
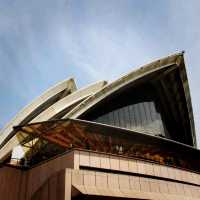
[141, 117]
[136, 108]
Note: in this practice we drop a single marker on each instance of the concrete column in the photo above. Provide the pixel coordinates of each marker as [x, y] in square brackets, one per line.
[68, 184]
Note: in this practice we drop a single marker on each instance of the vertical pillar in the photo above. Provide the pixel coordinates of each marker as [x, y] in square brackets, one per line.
[68, 184]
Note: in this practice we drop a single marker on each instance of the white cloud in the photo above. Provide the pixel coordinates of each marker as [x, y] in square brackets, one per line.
[92, 40]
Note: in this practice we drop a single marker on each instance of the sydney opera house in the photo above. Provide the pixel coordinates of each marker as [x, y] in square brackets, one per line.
[133, 138]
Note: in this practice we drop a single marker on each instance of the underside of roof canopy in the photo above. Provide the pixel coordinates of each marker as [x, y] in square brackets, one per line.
[51, 138]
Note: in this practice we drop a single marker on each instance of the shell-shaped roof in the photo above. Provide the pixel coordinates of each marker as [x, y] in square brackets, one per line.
[171, 75]
[177, 89]
[54, 103]
[65, 101]
[38, 105]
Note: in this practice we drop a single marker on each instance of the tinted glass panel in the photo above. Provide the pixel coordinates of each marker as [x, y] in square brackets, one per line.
[136, 117]
[136, 109]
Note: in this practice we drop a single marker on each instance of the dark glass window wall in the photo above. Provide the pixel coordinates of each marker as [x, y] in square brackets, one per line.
[141, 117]
[134, 108]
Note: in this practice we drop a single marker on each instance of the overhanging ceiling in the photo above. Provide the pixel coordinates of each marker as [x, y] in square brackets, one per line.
[73, 133]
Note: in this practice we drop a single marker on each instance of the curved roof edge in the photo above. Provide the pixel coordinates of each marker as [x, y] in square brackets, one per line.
[186, 88]
[49, 97]
[68, 101]
[175, 60]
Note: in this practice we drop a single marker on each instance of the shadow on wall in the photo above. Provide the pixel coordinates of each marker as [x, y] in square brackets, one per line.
[53, 188]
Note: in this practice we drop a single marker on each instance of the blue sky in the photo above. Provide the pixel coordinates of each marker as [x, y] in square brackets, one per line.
[45, 41]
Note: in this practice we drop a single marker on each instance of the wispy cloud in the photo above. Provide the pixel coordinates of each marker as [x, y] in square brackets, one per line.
[42, 42]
